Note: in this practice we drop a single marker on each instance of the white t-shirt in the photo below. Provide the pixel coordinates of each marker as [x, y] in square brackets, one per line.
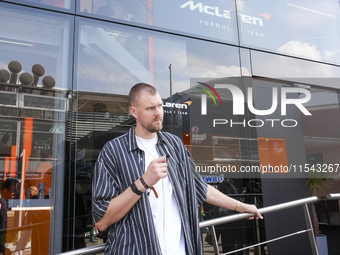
[165, 211]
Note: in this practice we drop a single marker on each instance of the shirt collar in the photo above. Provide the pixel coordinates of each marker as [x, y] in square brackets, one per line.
[132, 142]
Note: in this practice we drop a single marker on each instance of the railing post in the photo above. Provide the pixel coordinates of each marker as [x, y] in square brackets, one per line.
[311, 232]
[214, 240]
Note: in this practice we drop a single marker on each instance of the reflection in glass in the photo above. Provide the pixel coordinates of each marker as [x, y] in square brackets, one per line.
[214, 20]
[321, 129]
[292, 69]
[38, 42]
[220, 141]
[280, 141]
[307, 29]
[53, 4]
[272, 154]
[32, 142]
[322, 143]
[114, 58]
[325, 119]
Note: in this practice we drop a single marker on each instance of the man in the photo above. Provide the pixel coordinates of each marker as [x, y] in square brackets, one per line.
[146, 189]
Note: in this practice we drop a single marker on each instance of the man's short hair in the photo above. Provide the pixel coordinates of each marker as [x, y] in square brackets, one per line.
[137, 89]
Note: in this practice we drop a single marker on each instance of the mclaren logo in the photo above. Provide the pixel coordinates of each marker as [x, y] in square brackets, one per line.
[176, 105]
[211, 10]
[176, 108]
[216, 11]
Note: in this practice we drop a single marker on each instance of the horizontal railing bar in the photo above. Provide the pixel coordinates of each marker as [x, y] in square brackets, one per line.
[268, 209]
[269, 241]
[333, 196]
[100, 247]
[86, 251]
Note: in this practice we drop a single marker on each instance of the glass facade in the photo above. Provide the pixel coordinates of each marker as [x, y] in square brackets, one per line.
[306, 29]
[35, 62]
[58, 5]
[203, 19]
[247, 101]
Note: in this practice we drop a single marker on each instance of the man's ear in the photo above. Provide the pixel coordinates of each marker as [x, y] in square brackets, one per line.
[133, 112]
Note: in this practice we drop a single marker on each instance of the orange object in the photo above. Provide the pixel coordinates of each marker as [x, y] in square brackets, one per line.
[272, 152]
[154, 191]
[28, 136]
[13, 169]
[6, 168]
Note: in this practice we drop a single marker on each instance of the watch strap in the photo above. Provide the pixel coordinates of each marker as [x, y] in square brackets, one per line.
[144, 183]
[135, 189]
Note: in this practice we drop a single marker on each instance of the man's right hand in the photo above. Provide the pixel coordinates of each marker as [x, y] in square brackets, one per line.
[157, 170]
[121, 205]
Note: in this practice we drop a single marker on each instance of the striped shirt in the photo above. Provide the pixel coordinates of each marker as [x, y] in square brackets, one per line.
[121, 163]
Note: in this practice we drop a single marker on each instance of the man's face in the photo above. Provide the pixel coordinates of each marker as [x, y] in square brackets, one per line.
[148, 111]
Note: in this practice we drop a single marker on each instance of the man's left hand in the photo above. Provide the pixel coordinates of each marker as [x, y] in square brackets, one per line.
[247, 208]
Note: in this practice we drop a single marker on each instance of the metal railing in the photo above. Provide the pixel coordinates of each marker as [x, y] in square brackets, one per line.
[211, 223]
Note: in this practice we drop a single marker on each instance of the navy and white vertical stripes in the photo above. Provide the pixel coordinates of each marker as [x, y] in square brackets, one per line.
[121, 163]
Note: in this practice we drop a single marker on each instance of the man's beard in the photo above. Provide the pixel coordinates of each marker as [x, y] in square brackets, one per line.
[153, 128]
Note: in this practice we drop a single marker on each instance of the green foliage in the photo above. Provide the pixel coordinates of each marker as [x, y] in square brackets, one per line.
[99, 107]
[10, 237]
[318, 186]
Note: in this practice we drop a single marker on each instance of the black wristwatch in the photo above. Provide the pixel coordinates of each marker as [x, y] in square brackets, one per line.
[135, 189]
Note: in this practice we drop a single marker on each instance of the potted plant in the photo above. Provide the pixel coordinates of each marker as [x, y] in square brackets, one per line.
[318, 187]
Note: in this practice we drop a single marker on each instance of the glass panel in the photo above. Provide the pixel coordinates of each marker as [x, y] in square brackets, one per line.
[216, 21]
[291, 69]
[33, 127]
[303, 28]
[278, 129]
[8, 99]
[123, 56]
[42, 45]
[64, 5]
[8, 150]
[44, 102]
[322, 144]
